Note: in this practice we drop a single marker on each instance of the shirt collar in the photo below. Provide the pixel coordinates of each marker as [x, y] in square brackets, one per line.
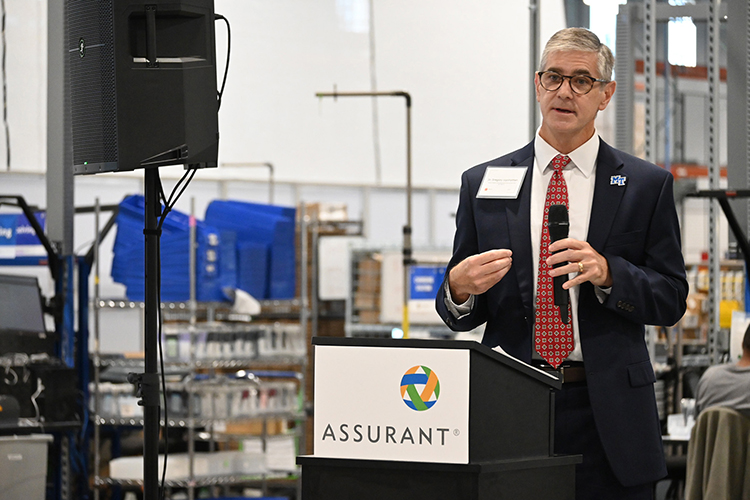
[584, 158]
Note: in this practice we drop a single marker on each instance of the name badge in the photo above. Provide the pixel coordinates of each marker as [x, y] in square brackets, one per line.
[502, 182]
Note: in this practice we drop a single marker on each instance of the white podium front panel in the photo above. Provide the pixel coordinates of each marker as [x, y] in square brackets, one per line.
[392, 403]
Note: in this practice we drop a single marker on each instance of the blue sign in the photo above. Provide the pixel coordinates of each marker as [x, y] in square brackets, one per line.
[8, 224]
[25, 234]
[425, 281]
[17, 236]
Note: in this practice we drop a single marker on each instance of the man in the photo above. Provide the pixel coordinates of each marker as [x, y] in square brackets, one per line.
[622, 265]
[727, 385]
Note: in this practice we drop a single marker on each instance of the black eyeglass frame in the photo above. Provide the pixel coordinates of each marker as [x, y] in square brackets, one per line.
[593, 81]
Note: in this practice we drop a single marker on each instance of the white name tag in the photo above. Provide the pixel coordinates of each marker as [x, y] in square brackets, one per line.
[502, 182]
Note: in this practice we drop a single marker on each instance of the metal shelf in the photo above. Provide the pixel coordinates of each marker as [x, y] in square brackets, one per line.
[382, 329]
[26, 425]
[701, 360]
[269, 306]
[211, 363]
[204, 480]
[201, 422]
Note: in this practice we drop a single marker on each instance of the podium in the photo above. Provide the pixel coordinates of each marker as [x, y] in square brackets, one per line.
[431, 419]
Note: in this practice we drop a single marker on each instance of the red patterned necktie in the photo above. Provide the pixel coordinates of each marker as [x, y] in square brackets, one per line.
[553, 339]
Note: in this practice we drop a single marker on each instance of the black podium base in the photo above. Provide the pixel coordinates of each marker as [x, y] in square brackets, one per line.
[550, 478]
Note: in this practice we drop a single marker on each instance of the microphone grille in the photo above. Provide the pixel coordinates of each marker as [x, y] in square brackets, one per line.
[558, 213]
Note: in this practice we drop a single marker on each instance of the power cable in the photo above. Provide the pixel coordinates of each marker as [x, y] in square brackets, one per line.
[229, 49]
[169, 204]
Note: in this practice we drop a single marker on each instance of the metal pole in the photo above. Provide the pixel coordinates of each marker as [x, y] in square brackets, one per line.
[668, 135]
[407, 248]
[649, 71]
[407, 253]
[533, 61]
[193, 237]
[714, 82]
[627, 19]
[59, 173]
[150, 380]
[193, 271]
[314, 303]
[97, 360]
[303, 291]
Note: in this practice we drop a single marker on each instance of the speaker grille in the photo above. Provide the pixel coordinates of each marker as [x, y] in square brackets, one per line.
[91, 42]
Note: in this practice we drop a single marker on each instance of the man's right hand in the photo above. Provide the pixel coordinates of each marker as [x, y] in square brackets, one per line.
[478, 273]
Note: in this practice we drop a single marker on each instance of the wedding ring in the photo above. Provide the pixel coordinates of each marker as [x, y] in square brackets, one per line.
[580, 267]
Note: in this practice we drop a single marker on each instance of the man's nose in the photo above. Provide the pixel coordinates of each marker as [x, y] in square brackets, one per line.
[566, 89]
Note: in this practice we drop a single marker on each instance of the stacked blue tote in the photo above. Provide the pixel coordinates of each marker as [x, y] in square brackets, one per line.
[129, 248]
[264, 246]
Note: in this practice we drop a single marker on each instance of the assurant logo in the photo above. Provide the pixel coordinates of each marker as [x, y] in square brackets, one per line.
[420, 388]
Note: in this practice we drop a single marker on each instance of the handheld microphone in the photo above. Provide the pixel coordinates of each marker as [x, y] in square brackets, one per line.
[558, 230]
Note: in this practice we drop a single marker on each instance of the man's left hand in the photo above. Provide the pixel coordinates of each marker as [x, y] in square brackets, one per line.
[583, 262]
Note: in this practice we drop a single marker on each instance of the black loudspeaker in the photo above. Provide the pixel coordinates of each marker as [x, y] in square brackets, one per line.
[142, 84]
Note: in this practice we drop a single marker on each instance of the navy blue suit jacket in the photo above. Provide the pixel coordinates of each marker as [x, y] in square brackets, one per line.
[635, 227]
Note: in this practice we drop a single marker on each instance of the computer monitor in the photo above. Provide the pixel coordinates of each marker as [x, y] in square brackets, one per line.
[21, 309]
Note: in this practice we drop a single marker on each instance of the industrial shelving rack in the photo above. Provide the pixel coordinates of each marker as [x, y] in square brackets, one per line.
[193, 315]
[638, 35]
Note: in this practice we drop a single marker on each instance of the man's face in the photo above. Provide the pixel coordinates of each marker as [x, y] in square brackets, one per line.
[567, 117]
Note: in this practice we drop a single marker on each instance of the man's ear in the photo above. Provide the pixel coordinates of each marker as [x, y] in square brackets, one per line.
[609, 90]
[536, 86]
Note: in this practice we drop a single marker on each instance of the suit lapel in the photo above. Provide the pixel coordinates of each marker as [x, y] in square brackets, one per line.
[609, 189]
[519, 228]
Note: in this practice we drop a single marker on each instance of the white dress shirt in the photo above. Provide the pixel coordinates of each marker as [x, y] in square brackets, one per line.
[580, 177]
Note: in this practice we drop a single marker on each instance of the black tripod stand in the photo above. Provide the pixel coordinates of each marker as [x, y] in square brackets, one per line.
[148, 382]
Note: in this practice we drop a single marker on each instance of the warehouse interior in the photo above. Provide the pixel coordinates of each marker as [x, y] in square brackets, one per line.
[343, 130]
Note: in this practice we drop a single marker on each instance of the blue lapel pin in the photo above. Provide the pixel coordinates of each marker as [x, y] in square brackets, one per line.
[618, 180]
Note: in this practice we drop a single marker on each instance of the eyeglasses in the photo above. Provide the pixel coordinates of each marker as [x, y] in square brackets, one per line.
[580, 84]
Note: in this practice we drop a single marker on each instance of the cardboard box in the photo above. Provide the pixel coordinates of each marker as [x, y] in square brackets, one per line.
[326, 211]
[366, 301]
[255, 427]
[369, 317]
[696, 314]
[368, 276]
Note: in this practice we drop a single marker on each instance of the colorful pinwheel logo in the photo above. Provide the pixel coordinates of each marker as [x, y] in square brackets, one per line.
[420, 388]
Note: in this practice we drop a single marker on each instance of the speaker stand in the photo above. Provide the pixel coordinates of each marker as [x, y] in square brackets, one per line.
[150, 382]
